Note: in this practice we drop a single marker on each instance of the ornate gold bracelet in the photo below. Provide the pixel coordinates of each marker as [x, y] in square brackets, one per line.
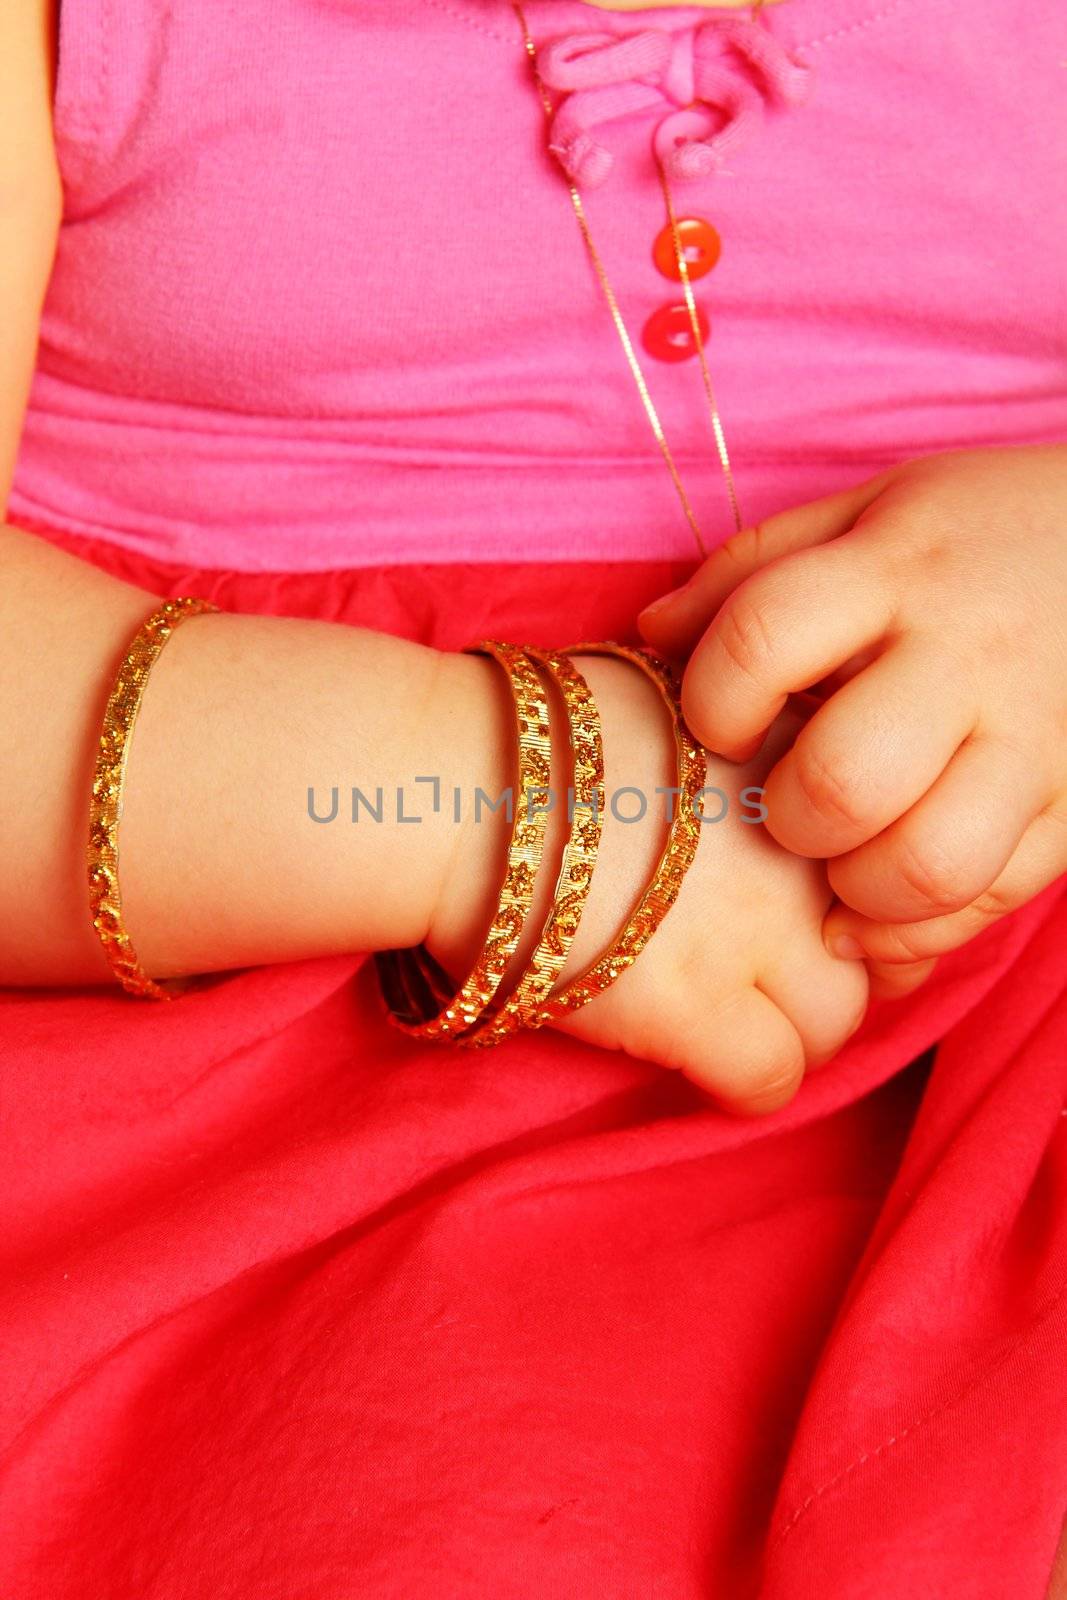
[399, 970]
[105, 806]
[586, 818]
[675, 861]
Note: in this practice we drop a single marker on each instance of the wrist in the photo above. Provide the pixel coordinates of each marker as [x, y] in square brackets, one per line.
[638, 753]
[638, 758]
[473, 701]
[345, 724]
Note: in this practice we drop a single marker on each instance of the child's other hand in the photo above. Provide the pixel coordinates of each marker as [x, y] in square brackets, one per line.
[931, 604]
[736, 989]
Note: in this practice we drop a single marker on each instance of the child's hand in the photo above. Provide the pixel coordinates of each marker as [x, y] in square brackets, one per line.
[932, 603]
[736, 987]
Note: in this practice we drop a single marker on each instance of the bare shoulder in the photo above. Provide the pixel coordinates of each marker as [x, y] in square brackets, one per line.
[31, 203]
[29, 31]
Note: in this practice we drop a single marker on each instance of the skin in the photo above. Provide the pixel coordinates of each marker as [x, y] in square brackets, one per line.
[934, 775]
[205, 842]
[736, 989]
[222, 868]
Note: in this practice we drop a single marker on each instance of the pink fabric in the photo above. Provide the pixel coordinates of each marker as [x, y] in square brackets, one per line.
[295, 1308]
[320, 299]
[605, 77]
[290, 1305]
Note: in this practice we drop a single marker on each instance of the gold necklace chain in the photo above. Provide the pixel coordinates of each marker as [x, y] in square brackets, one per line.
[621, 329]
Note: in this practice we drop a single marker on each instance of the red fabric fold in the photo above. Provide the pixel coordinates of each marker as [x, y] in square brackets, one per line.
[293, 1306]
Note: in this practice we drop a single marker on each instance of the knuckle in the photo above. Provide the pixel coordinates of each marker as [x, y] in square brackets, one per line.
[827, 786]
[753, 1081]
[763, 541]
[995, 902]
[903, 943]
[932, 876]
[748, 548]
[773, 1083]
[894, 981]
[745, 636]
[736, 552]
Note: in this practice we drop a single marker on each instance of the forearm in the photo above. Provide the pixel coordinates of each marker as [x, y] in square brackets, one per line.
[221, 864]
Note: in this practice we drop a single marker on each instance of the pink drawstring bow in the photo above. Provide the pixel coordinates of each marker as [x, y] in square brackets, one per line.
[716, 76]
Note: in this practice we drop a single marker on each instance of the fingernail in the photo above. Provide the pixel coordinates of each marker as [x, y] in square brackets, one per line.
[848, 948]
[656, 606]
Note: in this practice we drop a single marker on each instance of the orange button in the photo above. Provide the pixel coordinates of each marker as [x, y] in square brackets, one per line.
[701, 247]
[668, 333]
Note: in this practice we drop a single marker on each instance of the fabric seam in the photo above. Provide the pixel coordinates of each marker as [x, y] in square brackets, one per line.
[974, 1382]
[104, 68]
[818, 42]
[469, 22]
[886, 12]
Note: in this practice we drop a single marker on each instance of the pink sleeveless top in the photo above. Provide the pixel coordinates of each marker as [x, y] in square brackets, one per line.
[320, 299]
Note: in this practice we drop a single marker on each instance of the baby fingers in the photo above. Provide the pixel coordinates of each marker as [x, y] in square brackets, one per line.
[871, 751]
[744, 1051]
[674, 623]
[952, 846]
[1040, 857]
[825, 1000]
[783, 630]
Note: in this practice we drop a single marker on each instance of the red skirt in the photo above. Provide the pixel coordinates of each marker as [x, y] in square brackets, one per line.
[293, 1306]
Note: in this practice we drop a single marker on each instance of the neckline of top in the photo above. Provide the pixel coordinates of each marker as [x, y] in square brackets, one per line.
[799, 24]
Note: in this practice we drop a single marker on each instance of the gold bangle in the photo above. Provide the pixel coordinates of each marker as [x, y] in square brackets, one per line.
[585, 802]
[105, 805]
[525, 850]
[675, 861]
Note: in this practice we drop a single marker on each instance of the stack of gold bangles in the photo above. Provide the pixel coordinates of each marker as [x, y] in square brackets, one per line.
[420, 998]
[491, 1003]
